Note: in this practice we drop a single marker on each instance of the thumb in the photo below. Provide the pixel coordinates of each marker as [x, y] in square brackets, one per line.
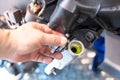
[53, 39]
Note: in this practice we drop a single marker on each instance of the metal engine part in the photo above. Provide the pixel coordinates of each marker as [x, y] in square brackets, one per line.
[82, 20]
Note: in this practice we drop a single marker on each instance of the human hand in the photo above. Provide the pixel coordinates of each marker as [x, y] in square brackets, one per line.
[30, 43]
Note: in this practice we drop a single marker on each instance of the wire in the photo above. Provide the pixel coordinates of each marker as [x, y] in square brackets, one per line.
[43, 8]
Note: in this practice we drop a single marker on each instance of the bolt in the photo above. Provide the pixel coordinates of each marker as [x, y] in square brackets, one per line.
[90, 36]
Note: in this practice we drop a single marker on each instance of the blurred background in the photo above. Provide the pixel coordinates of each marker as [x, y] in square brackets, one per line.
[82, 68]
[79, 69]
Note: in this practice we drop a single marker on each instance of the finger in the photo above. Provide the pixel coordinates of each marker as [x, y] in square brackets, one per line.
[57, 55]
[56, 33]
[41, 58]
[44, 59]
[60, 29]
[46, 29]
[44, 49]
[52, 39]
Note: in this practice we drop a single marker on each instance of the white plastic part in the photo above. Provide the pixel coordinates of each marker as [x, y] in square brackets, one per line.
[59, 64]
[68, 56]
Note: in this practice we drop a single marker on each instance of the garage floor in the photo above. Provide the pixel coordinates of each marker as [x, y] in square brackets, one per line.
[79, 69]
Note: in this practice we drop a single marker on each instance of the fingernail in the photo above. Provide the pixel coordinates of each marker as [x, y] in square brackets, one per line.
[63, 40]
